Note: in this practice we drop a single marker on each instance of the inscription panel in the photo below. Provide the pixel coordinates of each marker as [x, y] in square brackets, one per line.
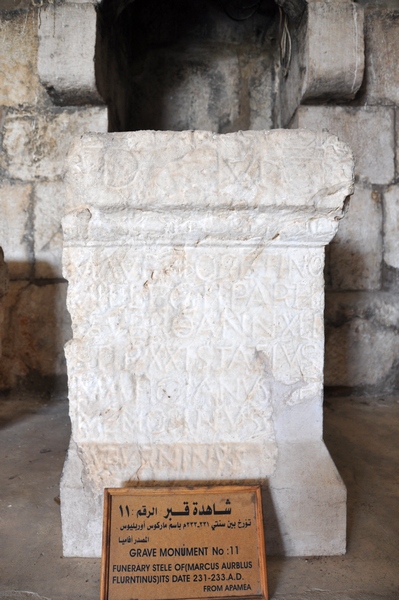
[200, 169]
[121, 464]
[189, 342]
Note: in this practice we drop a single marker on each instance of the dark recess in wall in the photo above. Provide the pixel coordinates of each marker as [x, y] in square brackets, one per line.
[179, 64]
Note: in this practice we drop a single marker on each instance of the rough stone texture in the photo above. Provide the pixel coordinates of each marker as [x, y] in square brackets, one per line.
[354, 261]
[369, 131]
[3, 292]
[295, 9]
[48, 211]
[335, 46]
[67, 35]
[185, 97]
[260, 92]
[15, 220]
[381, 83]
[200, 70]
[18, 55]
[195, 269]
[36, 326]
[361, 353]
[362, 341]
[35, 137]
[36, 147]
[391, 227]
[14, 5]
[327, 60]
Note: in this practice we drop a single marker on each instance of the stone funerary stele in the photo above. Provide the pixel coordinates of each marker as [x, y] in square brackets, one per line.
[196, 291]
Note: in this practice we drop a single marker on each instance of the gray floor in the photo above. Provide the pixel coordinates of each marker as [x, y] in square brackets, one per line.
[361, 434]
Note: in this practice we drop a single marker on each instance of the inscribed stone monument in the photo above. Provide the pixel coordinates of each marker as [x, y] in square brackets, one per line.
[196, 291]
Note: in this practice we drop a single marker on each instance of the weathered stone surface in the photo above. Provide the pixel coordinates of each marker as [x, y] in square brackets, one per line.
[362, 340]
[36, 146]
[391, 227]
[381, 84]
[368, 130]
[3, 291]
[11, 5]
[211, 176]
[335, 46]
[36, 326]
[260, 91]
[67, 36]
[200, 98]
[295, 9]
[15, 217]
[220, 90]
[18, 56]
[201, 69]
[327, 58]
[48, 210]
[195, 269]
[355, 252]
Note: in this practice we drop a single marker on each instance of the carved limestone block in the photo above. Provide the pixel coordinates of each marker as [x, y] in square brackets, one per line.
[67, 36]
[196, 291]
[326, 53]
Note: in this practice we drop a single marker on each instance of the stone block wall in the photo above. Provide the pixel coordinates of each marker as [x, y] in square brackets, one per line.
[35, 136]
[362, 271]
[3, 291]
[42, 109]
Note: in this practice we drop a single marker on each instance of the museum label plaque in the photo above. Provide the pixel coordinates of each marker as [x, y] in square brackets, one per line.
[183, 543]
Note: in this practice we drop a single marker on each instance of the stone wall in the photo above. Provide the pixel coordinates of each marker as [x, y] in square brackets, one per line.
[362, 273]
[3, 291]
[35, 136]
[42, 108]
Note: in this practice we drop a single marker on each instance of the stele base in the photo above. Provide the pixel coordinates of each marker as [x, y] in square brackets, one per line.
[196, 291]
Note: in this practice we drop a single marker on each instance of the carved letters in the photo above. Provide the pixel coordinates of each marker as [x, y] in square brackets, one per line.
[195, 269]
[195, 339]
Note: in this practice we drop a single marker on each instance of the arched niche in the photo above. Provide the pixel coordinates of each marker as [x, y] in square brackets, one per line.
[220, 65]
[178, 65]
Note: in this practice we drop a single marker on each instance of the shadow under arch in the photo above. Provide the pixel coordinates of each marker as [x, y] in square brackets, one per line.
[178, 65]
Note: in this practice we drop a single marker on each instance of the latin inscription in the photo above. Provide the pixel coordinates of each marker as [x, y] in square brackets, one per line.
[187, 343]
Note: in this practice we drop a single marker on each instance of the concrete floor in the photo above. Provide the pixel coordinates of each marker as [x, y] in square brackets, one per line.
[361, 434]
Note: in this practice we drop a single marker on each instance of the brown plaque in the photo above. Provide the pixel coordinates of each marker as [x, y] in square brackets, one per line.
[183, 543]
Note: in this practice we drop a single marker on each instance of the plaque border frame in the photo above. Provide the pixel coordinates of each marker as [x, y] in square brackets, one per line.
[168, 490]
